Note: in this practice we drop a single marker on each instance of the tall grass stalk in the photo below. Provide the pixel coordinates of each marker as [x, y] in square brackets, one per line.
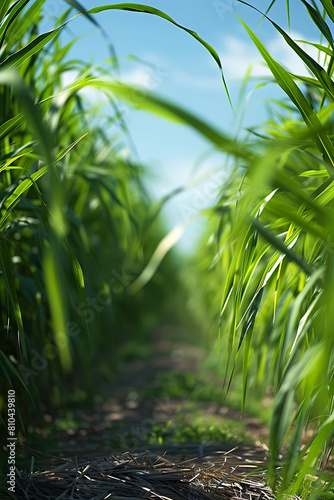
[276, 242]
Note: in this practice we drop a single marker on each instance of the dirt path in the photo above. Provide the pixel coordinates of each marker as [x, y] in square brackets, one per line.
[128, 416]
[138, 443]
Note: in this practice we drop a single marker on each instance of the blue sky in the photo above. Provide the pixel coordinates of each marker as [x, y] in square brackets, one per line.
[177, 67]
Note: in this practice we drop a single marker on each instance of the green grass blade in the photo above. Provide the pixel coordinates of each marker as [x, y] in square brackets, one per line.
[56, 301]
[281, 247]
[69, 148]
[6, 268]
[134, 7]
[25, 22]
[14, 11]
[149, 101]
[288, 12]
[319, 22]
[314, 173]
[83, 11]
[287, 84]
[10, 125]
[322, 48]
[19, 57]
[21, 189]
[313, 65]
[7, 165]
[328, 8]
[166, 244]
[12, 369]
[284, 403]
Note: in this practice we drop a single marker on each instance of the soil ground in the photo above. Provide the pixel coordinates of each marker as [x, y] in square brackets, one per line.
[128, 414]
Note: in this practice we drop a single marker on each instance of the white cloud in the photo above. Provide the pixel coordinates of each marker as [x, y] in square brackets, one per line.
[238, 55]
[141, 76]
[68, 78]
[150, 72]
[194, 81]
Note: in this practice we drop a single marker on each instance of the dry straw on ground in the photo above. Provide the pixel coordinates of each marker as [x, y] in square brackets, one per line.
[217, 475]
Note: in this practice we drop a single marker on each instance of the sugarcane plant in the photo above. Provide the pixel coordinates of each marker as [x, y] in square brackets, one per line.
[275, 239]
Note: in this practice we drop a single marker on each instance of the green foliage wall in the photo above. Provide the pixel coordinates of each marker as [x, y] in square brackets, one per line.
[76, 222]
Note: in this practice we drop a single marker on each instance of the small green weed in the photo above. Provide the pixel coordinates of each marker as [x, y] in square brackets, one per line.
[193, 386]
[188, 425]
